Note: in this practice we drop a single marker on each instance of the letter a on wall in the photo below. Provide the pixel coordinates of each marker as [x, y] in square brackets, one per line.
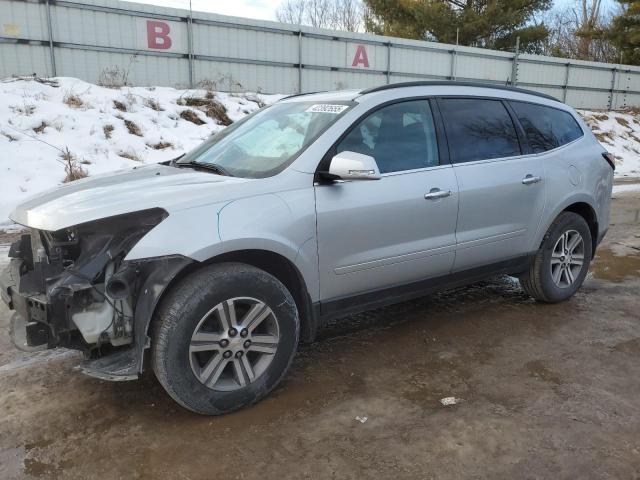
[360, 59]
[360, 56]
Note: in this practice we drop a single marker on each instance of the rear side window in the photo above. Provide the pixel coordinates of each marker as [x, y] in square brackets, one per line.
[546, 128]
[399, 137]
[478, 129]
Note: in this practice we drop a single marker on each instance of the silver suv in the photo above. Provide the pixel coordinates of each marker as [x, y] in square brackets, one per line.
[212, 267]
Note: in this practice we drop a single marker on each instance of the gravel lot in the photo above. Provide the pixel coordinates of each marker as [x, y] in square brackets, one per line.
[544, 391]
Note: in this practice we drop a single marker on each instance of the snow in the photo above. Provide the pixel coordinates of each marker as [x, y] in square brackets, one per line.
[619, 134]
[31, 150]
[624, 188]
[31, 159]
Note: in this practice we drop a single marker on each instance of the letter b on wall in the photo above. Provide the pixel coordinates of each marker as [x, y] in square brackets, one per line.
[161, 35]
[158, 35]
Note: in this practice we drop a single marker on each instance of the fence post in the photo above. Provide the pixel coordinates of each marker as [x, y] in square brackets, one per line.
[388, 63]
[566, 83]
[53, 58]
[190, 45]
[454, 59]
[514, 68]
[299, 61]
[613, 87]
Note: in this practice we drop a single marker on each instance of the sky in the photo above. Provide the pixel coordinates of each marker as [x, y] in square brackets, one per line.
[264, 9]
[260, 9]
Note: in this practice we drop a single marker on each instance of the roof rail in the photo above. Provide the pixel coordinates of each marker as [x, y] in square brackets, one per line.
[300, 94]
[435, 83]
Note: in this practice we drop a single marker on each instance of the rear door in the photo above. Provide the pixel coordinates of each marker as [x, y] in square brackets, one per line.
[375, 234]
[501, 187]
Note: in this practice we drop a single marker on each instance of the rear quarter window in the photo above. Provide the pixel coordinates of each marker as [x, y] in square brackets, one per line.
[478, 129]
[546, 128]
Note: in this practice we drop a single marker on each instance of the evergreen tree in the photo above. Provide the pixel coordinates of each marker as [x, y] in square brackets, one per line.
[480, 23]
[624, 32]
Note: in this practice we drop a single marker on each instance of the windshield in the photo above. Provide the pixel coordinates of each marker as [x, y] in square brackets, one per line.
[267, 141]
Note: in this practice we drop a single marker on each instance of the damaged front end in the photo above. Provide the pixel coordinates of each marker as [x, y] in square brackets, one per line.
[73, 288]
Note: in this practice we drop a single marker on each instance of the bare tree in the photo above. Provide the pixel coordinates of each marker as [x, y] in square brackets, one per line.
[335, 14]
[348, 15]
[590, 21]
[575, 32]
[291, 11]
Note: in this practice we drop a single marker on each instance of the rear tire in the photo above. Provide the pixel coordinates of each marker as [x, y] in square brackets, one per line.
[561, 264]
[224, 337]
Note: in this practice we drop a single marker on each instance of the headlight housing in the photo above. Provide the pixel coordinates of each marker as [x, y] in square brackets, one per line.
[111, 237]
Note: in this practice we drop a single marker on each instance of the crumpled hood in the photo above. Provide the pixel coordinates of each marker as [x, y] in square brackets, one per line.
[123, 192]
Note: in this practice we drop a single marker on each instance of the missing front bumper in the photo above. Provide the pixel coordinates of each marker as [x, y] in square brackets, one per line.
[29, 324]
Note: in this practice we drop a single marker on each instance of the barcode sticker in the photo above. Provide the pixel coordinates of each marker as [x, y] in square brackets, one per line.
[327, 108]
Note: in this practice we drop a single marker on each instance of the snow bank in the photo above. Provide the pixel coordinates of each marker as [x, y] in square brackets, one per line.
[106, 129]
[619, 133]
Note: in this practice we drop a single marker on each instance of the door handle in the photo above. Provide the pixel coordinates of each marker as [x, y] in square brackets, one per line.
[436, 193]
[530, 179]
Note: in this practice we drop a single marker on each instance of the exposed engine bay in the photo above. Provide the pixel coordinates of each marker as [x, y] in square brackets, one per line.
[73, 288]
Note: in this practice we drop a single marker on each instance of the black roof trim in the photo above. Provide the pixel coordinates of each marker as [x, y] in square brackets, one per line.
[301, 94]
[453, 83]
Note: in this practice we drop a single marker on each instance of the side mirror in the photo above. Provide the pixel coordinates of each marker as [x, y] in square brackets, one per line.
[354, 166]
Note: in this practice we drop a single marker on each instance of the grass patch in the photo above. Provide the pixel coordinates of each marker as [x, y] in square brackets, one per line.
[210, 106]
[153, 104]
[193, 102]
[10, 137]
[131, 155]
[73, 169]
[161, 145]
[118, 105]
[40, 128]
[252, 97]
[108, 130]
[218, 112]
[133, 128]
[74, 101]
[26, 109]
[604, 137]
[622, 121]
[191, 116]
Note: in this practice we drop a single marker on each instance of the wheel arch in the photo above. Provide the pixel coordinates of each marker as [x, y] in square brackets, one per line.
[580, 206]
[587, 212]
[273, 263]
[286, 272]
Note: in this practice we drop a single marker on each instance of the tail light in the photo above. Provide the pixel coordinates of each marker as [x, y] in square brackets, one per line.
[611, 160]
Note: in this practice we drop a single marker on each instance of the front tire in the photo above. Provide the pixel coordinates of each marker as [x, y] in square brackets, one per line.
[224, 337]
[561, 264]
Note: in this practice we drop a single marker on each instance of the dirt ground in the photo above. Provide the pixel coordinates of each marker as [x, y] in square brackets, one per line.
[546, 391]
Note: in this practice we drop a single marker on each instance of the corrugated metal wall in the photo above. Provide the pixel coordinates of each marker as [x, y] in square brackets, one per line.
[162, 46]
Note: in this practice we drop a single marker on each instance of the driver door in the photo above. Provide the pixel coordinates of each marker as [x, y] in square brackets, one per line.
[378, 234]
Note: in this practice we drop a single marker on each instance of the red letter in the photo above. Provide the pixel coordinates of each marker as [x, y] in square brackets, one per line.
[158, 35]
[361, 57]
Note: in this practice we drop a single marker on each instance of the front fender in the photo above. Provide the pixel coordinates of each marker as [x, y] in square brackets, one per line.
[283, 223]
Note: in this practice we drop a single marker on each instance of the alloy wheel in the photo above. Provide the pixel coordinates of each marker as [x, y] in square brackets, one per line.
[567, 259]
[234, 343]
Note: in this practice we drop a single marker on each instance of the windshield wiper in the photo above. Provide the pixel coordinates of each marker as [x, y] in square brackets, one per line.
[206, 166]
[173, 161]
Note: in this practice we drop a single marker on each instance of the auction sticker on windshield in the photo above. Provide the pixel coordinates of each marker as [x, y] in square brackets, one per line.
[326, 108]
